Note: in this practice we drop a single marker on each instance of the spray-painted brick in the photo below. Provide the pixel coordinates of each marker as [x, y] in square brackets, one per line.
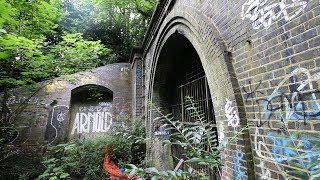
[273, 62]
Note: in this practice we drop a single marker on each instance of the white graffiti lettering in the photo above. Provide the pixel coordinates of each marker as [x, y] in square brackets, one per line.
[23, 99]
[231, 114]
[260, 147]
[222, 139]
[262, 14]
[266, 174]
[61, 116]
[92, 122]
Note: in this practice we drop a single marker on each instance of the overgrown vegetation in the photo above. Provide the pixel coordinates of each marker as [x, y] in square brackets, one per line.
[21, 166]
[44, 39]
[83, 159]
[198, 141]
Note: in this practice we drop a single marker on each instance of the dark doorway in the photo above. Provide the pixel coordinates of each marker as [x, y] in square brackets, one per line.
[179, 74]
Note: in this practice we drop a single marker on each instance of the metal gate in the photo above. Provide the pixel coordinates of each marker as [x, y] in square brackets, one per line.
[195, 85]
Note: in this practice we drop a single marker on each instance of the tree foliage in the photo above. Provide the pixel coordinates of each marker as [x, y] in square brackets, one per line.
[118, 24]
[74, 54]
[24, 27]
[43, 39]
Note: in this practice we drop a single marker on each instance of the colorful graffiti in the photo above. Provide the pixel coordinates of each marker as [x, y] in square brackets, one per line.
[281, 146]
[300, 104]
[285, 149]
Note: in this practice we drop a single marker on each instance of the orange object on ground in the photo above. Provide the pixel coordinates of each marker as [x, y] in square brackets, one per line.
[113, 169]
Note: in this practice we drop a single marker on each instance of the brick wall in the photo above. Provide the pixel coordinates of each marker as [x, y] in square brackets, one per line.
[261, 60]
[51, 114]
[137, 85]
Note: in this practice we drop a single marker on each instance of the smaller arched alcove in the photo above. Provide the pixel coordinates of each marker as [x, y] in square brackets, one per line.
[91, 111]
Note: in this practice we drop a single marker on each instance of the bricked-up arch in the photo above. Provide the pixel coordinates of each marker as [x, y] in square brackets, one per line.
[217, 64]
[91, 111]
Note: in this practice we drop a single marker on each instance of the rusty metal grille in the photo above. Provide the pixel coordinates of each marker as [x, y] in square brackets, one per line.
[198, 90]
[195, 85]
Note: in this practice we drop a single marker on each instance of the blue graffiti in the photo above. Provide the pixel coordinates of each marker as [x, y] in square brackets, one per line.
[301, 114]
[311, 154]
[239, 173]
[287, 107]
[282, 151]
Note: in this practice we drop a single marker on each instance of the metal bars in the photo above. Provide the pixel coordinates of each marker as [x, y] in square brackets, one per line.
[194, 84]
[198, 90]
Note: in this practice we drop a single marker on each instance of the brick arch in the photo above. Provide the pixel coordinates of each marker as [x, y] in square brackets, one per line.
[215, 59]
[209, 46]
[86, 86]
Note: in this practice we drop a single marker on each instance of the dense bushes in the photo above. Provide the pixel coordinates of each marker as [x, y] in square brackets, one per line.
[83, 159]
[21, 166]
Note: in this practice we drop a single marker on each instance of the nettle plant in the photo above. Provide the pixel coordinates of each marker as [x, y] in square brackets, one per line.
[198, 141]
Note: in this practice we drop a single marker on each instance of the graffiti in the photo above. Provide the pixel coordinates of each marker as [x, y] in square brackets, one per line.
[222, 139]
[122, 108]
[266, 174]
[103, 107]
[162, 132]
[225, 172]
[251, 93]
[300, 104]
[29, 133]
[61, 116]
[282, 149]
[239, 173]
[262, 14]
[231, 114]
[92, 119]
[295, 104]
[263, 151]
[21, 99]
[58, 122]
[106, 104]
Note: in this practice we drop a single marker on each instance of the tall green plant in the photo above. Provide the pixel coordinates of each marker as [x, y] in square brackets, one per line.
[198, 141]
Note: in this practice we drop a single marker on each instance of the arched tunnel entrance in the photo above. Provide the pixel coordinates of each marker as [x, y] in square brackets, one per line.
[179, 74]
